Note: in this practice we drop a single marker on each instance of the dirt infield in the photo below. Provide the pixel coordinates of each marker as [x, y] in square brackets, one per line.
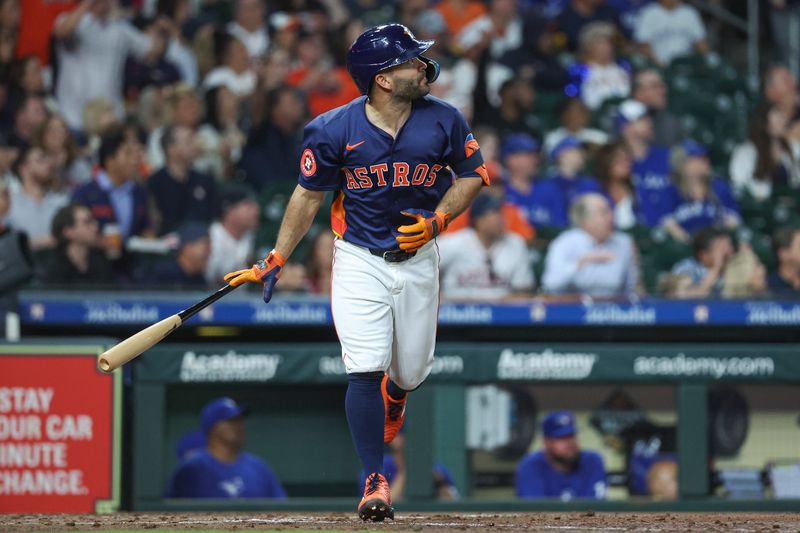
[545, 522]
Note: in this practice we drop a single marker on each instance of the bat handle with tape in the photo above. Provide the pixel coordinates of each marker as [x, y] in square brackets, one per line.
[136, 344]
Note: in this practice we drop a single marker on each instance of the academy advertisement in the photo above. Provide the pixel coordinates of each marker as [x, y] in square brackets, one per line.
[57, 434]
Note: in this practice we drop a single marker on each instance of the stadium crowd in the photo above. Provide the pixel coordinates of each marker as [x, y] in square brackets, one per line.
[155, 142]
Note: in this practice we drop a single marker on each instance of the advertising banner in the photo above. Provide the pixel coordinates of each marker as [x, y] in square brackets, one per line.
[59, 430]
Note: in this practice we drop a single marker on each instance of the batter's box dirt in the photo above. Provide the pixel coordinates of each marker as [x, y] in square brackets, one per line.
[502, 522]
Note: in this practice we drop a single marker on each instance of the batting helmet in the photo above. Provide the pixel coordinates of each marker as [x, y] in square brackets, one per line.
[385, 46]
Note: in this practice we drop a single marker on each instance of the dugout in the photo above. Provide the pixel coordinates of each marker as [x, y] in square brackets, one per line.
[296, 393]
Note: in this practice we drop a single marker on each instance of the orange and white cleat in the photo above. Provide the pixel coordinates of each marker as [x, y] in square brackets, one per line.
[395, 413]
[376, 505]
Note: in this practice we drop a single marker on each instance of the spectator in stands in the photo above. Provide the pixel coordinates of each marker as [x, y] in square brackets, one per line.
[220, 136]
[484, 261]
[656, 195]
[515, 112]
[561, 470]
[785, 281]
[71, 167]
[180, 193]
[188, 266]
[35, 202]
[649, 88]
[233, 233]
[668, 29]
[248, 25]
[27, 76]
[319, 263]
[174, 15]
[598, 76]
[491, 40]
[114, 196]
[567, 182]
[154, 69]
[233, 69]
[780, 90]
[712, 248]
[273, 146]
[764, 161]
[612, 167]
[184, 108]
[91, 47]
[580, 13]
[77, 259]
[520, 155]
[591, 258]
[745, 275]
[223, 469]
[575, 121]
[29, 117]
[699, 205]
[325, 84]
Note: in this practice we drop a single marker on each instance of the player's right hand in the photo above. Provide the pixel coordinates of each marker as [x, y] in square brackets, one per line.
[266, 271]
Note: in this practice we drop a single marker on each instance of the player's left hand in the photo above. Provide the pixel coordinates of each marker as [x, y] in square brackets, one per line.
[429, 224]
[266, 271]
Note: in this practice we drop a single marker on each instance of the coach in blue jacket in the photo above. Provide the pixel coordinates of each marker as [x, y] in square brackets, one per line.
[561, 470]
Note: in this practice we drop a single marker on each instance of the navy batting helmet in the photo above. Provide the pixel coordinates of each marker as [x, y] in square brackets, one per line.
[385, 46]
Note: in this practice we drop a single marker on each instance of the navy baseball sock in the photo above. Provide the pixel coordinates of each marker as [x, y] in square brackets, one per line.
[395, 392]
[364, 407]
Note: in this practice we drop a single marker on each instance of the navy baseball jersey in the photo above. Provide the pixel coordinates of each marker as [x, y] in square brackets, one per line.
[537, 479]
[376, 176]
[203, 476]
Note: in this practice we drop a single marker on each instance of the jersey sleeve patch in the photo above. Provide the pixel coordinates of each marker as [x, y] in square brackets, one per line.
[308, 165]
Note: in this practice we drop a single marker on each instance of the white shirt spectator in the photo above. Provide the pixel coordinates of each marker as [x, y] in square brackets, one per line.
[603, 82]
[742, 169]
[239, 84]
[669, 32]
[33, 216]
[227, 252]
[615, 277]
[470, 271]
[184, 60]
[91, 64]
[256, 42]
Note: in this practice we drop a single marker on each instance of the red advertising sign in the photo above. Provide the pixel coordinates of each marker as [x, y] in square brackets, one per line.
[58, 433]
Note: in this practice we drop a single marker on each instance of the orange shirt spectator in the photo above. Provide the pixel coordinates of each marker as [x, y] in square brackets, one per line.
[36, 24]
[458, 13]
[340, 89]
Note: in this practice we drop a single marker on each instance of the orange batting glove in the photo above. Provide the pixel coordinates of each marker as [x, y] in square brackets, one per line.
[429, 225]
[266, 271]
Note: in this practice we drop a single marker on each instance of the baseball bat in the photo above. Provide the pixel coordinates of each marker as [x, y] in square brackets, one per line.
[136, 344]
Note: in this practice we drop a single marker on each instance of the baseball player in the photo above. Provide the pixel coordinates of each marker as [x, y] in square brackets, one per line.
[401, 164]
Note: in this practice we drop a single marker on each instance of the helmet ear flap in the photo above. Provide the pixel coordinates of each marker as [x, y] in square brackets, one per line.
[431, 69]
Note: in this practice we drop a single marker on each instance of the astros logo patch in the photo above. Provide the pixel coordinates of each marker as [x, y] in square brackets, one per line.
[308, 165]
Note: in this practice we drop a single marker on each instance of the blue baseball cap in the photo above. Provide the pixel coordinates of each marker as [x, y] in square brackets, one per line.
[518, 142]
[627, 112]
[559, 424]
[694, 148]
[565, 144]
[218, 410]
[190, 442]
